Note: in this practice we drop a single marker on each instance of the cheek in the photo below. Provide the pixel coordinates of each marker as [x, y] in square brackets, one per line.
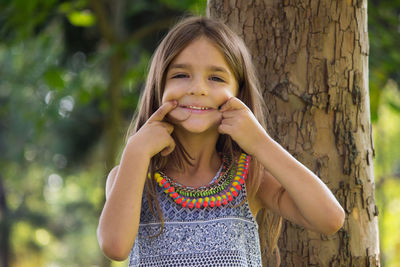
[167, 96]
[225, 94]
[172, 93]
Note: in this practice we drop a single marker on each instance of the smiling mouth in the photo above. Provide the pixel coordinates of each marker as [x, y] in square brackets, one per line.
[196, 107]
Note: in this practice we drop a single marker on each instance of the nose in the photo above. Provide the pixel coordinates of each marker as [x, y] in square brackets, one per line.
[198, 88]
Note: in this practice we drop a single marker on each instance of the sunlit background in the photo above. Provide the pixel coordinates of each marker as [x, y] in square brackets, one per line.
[54, 103]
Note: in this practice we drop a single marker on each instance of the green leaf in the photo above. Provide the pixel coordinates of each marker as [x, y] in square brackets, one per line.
[82, 18]
[54, 78]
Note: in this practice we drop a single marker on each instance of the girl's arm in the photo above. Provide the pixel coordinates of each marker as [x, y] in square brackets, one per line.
[306, 199]
[119, 220]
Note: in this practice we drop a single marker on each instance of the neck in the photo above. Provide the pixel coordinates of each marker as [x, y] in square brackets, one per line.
[205, 159]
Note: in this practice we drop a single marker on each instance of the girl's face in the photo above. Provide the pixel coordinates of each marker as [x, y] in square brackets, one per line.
[201, 81]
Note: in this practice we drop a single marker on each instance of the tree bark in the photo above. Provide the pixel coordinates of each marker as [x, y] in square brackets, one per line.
[312, 58]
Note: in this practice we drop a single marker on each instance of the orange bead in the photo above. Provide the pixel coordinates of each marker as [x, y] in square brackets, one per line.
[234, 193]
[218, 201]
[206, 200]
[212, 202]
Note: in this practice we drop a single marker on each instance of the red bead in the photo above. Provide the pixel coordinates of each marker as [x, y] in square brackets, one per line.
[216, 200]
[191, 204]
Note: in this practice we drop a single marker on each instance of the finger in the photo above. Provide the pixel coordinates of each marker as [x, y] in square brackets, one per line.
[168, 150]
[232, 103]
[229, 121]
[163, 110]
[231, 113]
[224, 129]
[169, 127]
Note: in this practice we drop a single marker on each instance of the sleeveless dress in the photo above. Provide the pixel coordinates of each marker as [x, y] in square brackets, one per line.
[217, 236]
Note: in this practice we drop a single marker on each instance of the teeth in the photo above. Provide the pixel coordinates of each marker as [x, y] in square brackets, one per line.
[198, 108]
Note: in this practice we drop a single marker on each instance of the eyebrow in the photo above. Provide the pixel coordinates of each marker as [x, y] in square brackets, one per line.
[211, 67]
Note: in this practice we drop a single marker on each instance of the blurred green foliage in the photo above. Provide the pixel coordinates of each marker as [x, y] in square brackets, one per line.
[384, 81]
[387, 173]
[54, 103]
[53, 108]
[384, 60]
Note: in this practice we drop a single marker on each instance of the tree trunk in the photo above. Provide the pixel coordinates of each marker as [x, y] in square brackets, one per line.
[110, 17]
[312, 58]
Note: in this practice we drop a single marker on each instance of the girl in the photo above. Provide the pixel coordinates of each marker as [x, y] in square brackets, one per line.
[199, 165]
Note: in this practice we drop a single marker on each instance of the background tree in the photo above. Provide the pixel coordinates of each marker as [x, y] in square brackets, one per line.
[313, 64]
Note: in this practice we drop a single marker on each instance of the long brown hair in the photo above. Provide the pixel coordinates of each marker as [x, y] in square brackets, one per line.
[239, 59]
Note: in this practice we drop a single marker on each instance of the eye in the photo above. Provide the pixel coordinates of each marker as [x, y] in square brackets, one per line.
[179, 76]
[216, 79]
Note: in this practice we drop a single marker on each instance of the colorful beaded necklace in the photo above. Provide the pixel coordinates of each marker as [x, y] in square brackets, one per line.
[222, 191]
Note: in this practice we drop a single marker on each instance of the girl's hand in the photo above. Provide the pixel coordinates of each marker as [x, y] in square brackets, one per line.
[239, 122]
[155, 135]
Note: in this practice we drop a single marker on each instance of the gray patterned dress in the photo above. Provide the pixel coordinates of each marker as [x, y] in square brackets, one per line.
[218, 236]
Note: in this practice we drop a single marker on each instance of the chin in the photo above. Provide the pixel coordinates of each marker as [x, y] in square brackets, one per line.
[199, 127]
